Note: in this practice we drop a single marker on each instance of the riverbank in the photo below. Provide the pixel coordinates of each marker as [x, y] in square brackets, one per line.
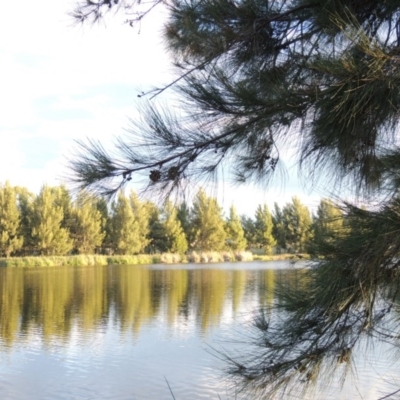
[142, 259]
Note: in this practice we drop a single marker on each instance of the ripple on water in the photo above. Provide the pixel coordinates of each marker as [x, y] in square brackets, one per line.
[124, 342]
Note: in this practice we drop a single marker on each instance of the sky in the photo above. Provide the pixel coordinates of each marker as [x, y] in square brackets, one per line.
[61, 82]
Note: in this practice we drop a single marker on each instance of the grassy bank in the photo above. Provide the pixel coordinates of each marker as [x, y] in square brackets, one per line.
[280, 257]
[140, 259]
[79, 260]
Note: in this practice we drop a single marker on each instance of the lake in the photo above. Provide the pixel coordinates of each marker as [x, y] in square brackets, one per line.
[140, 332]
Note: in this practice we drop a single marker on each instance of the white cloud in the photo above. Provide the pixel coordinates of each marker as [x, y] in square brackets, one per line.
[61, 83]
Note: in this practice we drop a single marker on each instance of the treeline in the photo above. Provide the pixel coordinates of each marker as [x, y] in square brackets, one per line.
[54, 222]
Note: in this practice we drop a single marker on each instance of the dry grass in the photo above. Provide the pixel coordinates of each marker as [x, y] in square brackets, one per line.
[165, 258]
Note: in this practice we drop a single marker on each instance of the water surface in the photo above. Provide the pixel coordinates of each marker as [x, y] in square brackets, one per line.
[122, 332]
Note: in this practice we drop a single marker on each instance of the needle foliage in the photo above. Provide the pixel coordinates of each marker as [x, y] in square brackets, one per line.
[254, 77]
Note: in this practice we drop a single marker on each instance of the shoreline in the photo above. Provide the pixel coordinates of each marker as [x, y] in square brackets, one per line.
[142, 259]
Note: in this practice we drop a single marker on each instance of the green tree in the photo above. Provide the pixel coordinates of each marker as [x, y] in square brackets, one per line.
[63, 199]
[263, 229]
[254, 75]
[156, 232]
[25, 206]
[184, 217]
[10, 218]
[86, 224]
[175, 238]
[207, 223]
[49, 237]
[235, 239]
[142, 212]
[249, 231]
[328, 224]
[103, 207]
[297, 225]
[278, 230]
[125, 235]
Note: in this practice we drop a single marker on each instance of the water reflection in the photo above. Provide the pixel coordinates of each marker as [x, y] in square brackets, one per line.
[116, 331]
[54, 300]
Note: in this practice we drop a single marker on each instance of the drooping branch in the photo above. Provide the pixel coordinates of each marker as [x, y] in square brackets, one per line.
[92, 12]
[97, 169]
[253, 78]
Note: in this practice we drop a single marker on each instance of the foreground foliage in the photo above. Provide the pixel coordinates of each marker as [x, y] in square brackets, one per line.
[338, 304]
[255, 76]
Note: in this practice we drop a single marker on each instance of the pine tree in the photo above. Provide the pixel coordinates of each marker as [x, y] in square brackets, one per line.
[142, 212]
[10, 218]
[102, 207]
[175, 238]
[249, 231]
[259, 71]
[125, 235]
[25, 206]
[297, 225]
[184, 217]
[327, 226]
[63, 200]
[253, 76]
[234, 231]
[156, 232]
[49, 237]
[263, 228]
[86, 224]
[207, 223]
[278, 230]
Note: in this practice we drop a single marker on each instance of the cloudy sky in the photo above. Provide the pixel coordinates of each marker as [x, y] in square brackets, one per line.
[60, 82]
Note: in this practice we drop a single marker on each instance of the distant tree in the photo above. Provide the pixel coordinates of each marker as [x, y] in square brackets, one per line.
[103, 207]
[263, 228]
[184, 217]
[297, 225]
[249, 231]
[330, 218]
[25, 205]
[235, 239]
[10, 238]
[64, 200]
[86, 224]
[125, 235]
[207, 223]
[142, 212]
[175, 238]
[156, 239]
[48, 235]
[327, 226]
[278, 230]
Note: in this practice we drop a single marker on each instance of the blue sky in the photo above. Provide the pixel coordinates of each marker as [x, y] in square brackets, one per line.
[60, 83]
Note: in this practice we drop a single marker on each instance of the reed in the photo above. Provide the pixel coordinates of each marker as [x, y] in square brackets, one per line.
[217, 257]
[172, 258]
[139, 259]
[281, 257]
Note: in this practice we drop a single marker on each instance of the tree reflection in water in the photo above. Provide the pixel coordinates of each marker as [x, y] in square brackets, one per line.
[53, 300]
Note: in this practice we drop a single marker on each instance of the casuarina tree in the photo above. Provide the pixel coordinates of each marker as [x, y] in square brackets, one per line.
[11, 239]
[253, 76]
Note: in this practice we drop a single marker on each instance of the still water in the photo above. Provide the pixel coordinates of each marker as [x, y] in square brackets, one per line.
[130, 332]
